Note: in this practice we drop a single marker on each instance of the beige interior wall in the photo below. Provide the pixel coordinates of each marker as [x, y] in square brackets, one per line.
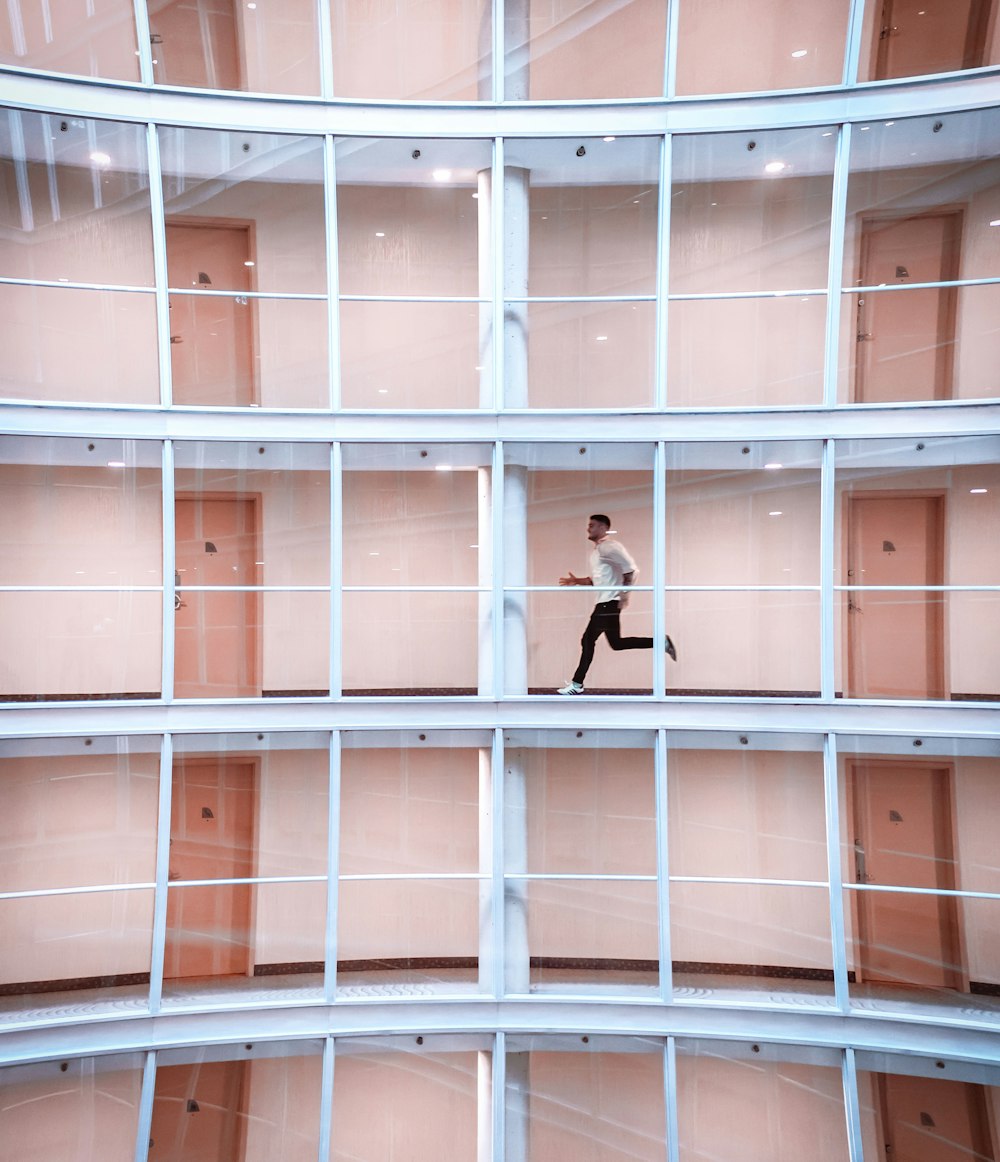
[284, 1109]
[595, 1107]
[748, 815]
[421, 1105]
[279, 48]
[80, 526]
[763, 1111]
[978, 869]
[409, 811]
[97, 41]
[89, 1114]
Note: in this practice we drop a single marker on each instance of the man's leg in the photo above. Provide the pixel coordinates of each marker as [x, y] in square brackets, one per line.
[605, 612]
[613, 631]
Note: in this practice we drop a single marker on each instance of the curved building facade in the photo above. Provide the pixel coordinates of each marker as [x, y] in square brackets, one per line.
[326, 329]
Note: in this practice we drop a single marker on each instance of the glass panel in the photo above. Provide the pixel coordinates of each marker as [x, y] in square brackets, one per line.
[95, 41]
[759, 46]
[910, 1109]
[411, 643]
[912, 515]
[85, 1108]
[79, 346]
[761, 1103]
[84, 950]
[592, 1105]
[772, 354]
[266, 1097]
[220, 44]
[242, 942]
[78, 813]
[759, 942]
[550, 492]
[588, 355]
[75, 204]
[407, 215]
[563, 51]
[764, 200]
[413, 355]
[903, 38]
[382, 1098]
[403, 934]
[412, 51]
[251, 516]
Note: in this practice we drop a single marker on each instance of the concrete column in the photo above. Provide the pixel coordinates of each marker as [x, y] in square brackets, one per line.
[515, 605]
[516, 957]
[518, 1107]
[484, 538]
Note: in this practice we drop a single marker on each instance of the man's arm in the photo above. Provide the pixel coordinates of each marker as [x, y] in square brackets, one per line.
[627, 579]
[572, 579]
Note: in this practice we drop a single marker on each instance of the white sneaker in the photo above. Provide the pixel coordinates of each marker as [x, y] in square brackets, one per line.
[570, 688]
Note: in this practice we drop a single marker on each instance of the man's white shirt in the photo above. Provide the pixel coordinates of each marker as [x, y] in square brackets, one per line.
[609, 562]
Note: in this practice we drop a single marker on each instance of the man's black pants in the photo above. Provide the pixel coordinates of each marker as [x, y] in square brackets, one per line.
[606, 619]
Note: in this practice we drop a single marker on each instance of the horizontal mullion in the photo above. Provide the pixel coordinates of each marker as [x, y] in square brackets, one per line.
[916, 588]
[752, 880]
[344, 298]
[584, 876]
[529, 299]
[956, 893]
[390, 876]
[311, 296]
[33, 892]
[904, 286]
[66, 283]
[247, 880]
[81, 588]
[697, 296]
[416, 589]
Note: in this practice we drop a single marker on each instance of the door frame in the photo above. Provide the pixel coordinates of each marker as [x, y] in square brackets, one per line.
[860, 924]
[848, 496]
[982, 22]
[206, 759]
[256, 650]
[250, 225]
[866, 222]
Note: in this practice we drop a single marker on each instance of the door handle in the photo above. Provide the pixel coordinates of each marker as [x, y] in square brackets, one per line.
[853, 607]
[864, 336]
[860, 865]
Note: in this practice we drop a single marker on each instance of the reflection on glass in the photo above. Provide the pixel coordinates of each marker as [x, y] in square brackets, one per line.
[76, 200]
[759, 46]
[764, 200]
[760, 1102]
[263, 1097]
[411, 643]
[914, 1115]
[382, 1098]
[85, 1108]
[79, 346]
[594, 1103]
[412, 52]
[588, 354]
[413, 355]
[775, 357]
[906, 39]
[96, 41]
[564, 51]
[220, 44]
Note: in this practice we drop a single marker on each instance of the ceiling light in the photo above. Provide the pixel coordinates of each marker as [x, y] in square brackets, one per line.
[475, 195]
[607, 139]
[99, 157]
[828, 133]
[995, 222]
[774, 167]
[978, 491]
[865, 128]
[442, 467]
[888, 123]
[248, 263]
[602, 338]
[441, 175]
[251, 4]
[383, 391]
[773, 464]
[379, 233]
[116, 463]
[777, 512]
[800, 52]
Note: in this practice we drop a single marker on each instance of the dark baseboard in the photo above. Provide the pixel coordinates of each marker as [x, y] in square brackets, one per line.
[142, 695]
[289, 968]
[295, 694]
[982, 988]
[70, 984]
[407, 963]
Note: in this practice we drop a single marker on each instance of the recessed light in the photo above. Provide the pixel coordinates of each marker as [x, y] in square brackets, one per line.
[828, 133]
[800, 52]
[865, 128]
[774, 167]
[67, 280]
[441, 175]
[116, 463]
[774, 464]
[249, 263]
[383, 391]
[475, 195]
[995, 222]
[379, 233]
[442, 467]
[602, 338]
[776, 512]
[373, 554]
[473, 546]
[99, 157]
[978, 491]
[888, 123]
[251, 4]
[607, 139]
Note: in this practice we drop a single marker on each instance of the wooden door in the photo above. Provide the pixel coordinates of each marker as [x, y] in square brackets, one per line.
[199, 1112]
[195, 43]
[895, 640]
[216, 634]
[211, 837]
[905, 340]
[211, 336]
[916, 37]
[903, 837]
[927, 1119]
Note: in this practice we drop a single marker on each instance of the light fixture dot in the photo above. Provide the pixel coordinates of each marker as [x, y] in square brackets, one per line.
[772, 465]
[379, 233]
[602, 338]
[442, 467]
[99, 157]
[800, 52]
[995, 222]
[441, 175]
[776, 512]
[774, 167]
[249, 262]
[607, 139]
[979, 491]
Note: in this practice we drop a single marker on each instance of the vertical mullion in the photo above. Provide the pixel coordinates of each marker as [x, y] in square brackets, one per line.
[335, 644]
[499, 895]
[852, 1104]
[499, 56]
[143, 43]
[162, 874]
[670, 56]
[169, 579]
[838, 933]
[835, 268]
[499, 270]
[146, 1095]
[661, 313]
[499, 1095]
[827, 531]
[855, 27]
[335, 394]
[332, 869]
[663, 867]
[670, 1104]
[326, 1101]
[659, 565]
[497, 528]
[159, 233]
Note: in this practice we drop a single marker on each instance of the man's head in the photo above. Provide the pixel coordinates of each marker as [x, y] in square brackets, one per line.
[598, 526]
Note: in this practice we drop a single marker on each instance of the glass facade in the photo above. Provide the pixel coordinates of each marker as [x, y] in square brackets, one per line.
[342, 346]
